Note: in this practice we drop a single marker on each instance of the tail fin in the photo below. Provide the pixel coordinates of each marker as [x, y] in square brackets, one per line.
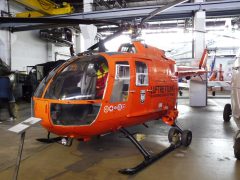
[203, 61]
[213, 64]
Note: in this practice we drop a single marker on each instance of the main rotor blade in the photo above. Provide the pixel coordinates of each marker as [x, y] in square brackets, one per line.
[108, 38]
[162, 9]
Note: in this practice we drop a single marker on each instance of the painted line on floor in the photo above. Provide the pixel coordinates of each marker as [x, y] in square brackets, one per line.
[216, 104]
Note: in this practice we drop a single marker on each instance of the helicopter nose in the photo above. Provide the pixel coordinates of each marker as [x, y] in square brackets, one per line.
[73, 114]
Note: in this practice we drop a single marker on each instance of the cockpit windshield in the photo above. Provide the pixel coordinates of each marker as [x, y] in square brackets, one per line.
[83, 79]
[42, 85]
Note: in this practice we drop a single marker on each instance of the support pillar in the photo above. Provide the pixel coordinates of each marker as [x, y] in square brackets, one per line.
[198, 86]
[88, 32]
[50, 52]
[78, 42]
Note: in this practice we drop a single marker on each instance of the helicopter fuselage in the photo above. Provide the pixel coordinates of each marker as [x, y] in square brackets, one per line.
[138, 86]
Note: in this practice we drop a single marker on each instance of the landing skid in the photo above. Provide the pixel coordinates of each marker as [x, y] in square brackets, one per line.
[50, 140]
[61, 140]
[147, 161]
[148, 158]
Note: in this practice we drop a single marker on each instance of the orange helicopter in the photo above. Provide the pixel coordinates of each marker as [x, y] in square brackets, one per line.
[95, 93]
[98, 93]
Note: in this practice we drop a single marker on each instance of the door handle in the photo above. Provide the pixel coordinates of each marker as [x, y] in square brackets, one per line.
[132, 91]
[149, 90]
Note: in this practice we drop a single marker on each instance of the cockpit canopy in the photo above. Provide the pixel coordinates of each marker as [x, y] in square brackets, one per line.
[83, 79]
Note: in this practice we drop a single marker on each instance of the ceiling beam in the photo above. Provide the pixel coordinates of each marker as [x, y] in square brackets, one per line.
[214, 8]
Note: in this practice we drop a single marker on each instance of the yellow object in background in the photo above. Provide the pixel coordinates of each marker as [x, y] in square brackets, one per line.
[44, 8]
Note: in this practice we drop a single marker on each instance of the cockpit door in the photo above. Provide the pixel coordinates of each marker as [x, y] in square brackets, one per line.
[121, 83]
[139, 96]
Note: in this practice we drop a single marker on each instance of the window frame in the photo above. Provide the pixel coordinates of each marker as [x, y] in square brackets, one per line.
[145, 73]
[118, 64]
[116, 71]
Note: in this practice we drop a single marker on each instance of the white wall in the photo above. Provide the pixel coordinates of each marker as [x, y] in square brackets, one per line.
[27, 50]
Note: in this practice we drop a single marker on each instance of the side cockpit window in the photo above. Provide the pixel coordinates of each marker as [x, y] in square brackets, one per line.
[141, 74]
[121, 82]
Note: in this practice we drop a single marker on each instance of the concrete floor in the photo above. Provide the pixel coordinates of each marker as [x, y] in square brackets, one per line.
[210, 156]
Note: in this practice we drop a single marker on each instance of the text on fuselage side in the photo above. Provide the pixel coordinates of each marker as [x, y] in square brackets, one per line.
[163, 90]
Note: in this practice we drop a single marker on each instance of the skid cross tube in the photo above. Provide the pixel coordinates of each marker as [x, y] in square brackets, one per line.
[148, 159]
[142, 150]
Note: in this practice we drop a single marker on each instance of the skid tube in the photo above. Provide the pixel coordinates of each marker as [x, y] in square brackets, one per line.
[148, 158]
[61, 140]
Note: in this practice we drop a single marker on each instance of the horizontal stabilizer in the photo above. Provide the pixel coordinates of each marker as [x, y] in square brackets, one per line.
[185, 71]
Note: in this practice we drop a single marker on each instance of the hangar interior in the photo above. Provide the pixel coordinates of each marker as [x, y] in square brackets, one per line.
[30, 49]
